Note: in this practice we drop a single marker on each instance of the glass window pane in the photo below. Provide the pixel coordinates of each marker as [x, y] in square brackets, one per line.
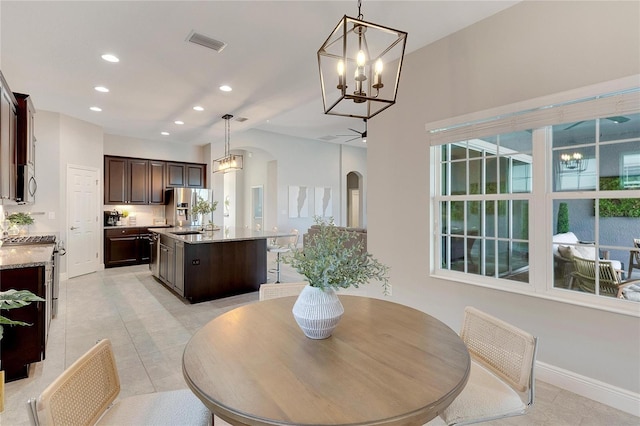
[521, 177]
[575, 169]
[457, 217]
[474, 218]
[490, 218]
[620, 127]
[474, 255]
[475, 153]
[458, 152]
[520, 219]
[443, 217]
[519, 263]
[444, 149]
[620, 166]
[577, 133]
[619, 224]
[475, 176]
[492, 176]
[490, 258]
[503, 219]
[444, 181]
[457, 253]
[503, 258]
[505, 176]
[459, 178]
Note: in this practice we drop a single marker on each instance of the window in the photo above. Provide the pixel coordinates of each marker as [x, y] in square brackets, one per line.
[596, 168]
[485, 227]
[498, 178]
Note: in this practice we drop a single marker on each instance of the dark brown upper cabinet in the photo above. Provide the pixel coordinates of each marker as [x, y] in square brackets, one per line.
[186, 175]
[142, 181]
[126, 180]
[156, 181]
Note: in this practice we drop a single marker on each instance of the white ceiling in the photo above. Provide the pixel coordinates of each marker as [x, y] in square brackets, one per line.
[51, 50]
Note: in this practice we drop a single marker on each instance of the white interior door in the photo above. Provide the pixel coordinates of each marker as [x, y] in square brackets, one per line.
[354, 208]
[82, 223]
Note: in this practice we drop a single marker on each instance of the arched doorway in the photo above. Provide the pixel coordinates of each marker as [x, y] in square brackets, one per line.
[354, 200]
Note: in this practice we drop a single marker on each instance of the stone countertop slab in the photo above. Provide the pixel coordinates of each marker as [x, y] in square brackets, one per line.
[218, 236]
[25, 256]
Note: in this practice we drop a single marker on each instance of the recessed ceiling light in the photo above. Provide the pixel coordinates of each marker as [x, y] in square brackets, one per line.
[96, 109]
[179, 122]
[101, 89]
[226, 88]
[164, 133]
[110, 58]
[198, 108]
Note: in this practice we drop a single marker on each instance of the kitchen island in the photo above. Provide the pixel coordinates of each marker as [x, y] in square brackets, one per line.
[204, 265]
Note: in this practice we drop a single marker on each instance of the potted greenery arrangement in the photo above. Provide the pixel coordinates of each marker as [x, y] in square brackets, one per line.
[330, 260]
[202, 208]
[12, 299]
[18, 222]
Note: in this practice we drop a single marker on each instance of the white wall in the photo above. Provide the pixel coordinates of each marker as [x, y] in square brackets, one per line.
[527, 51]
[301, 163]
[155, 150]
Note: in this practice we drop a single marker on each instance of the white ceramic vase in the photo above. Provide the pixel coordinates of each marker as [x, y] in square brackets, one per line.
[317, 312]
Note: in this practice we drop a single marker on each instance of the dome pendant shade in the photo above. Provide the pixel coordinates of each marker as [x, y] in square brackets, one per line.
[360, 66]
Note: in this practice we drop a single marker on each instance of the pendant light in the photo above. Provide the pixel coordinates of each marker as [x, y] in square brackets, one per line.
[373, 55]
[230, 162]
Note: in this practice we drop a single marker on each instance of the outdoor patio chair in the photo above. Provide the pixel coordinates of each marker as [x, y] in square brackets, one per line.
[610, 279]
[501, 380]
[634, 257]
[86, 392]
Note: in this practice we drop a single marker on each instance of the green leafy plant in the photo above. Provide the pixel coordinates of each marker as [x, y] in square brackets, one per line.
[13, 299]
[203, 207]
[562, 224]
[332, 259]
[20, 219]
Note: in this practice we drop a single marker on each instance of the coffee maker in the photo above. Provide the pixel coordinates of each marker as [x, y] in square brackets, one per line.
[111, 218]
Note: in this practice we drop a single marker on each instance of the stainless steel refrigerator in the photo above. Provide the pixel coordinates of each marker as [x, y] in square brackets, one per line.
[178, 210]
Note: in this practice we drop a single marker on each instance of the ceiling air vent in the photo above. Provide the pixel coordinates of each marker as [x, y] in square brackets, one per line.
[241, 119]
[205, 41]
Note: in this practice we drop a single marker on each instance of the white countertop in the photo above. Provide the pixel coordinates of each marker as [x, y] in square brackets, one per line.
[25, 256]
[221, 235]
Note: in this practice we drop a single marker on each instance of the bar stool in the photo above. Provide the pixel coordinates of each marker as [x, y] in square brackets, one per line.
[281, 245]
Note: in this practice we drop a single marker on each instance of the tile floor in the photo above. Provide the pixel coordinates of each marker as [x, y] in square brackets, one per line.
[149, 327]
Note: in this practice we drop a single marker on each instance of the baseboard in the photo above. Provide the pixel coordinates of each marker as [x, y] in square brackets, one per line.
[604, 393]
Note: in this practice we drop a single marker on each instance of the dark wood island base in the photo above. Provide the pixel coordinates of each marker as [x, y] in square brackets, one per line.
[206, 266]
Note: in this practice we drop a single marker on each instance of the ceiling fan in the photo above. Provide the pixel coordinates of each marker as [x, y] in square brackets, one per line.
[616, 120]
[362, 135]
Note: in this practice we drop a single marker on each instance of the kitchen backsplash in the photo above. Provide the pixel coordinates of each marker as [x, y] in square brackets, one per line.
[144, 215]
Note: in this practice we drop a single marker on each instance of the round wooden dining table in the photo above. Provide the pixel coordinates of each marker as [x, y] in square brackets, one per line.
[385, 364]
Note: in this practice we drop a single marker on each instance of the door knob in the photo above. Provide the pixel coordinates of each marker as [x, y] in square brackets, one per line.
[74, 227]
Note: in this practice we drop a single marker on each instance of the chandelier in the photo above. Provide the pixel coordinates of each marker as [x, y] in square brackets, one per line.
[373, 55]
[573, 162]
[230, 162]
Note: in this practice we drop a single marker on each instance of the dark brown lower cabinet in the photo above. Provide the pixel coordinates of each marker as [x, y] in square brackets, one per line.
[23, 345]
[126, 246]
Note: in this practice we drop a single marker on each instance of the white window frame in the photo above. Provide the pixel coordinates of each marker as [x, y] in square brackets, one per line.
[537, 115]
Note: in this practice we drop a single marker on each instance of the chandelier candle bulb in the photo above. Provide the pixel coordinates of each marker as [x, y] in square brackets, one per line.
[377, 78]
[340, 75]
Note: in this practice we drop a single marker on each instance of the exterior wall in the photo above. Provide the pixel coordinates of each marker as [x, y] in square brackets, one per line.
[527, 51]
